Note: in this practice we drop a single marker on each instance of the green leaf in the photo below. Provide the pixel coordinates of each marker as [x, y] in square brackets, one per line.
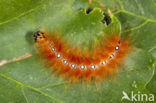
[151, 85]
[29, 81]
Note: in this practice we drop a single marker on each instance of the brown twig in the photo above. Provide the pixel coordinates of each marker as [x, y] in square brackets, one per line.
[3, 62]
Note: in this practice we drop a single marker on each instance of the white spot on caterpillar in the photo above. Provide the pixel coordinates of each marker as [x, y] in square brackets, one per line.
[65, 62]
[73, 65]
[58, 55]
[93, 66]
[82, 66]
[117, 47]
[111, 56]
[104, 62]
[53, 49]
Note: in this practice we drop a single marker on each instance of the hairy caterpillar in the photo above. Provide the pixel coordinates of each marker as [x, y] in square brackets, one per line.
[76, 65]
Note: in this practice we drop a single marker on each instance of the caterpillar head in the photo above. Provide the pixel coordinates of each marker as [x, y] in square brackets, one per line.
[39, 36]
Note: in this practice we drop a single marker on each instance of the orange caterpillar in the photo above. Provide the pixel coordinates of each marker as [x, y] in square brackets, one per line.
[76, 65]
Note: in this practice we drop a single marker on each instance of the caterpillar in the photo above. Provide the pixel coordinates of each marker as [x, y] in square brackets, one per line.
[76, 65]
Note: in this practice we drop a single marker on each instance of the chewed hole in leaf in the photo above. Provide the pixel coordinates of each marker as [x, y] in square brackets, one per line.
[107, 19]
[88, 10]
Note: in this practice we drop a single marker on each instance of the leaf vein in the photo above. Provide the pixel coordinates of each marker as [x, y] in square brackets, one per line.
[23, 92]
[29, 86]
[136, 27]
[133, 14]
[22, 14]
[52, 85]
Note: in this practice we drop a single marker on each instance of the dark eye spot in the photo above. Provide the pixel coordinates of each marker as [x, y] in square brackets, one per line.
[35, 39]
[118, 42]
[43, 36]
[38, 34]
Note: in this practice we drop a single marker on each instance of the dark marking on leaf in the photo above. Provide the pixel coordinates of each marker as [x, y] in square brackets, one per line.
[88, 10]
[107, 19]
